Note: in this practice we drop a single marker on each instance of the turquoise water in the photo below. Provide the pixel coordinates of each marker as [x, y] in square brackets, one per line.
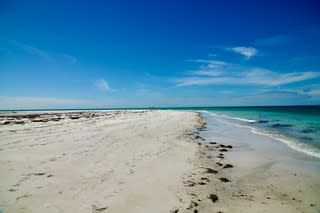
[297, 126]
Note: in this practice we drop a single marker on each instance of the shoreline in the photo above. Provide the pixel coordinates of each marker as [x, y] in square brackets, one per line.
[146, 160]
[256, 173]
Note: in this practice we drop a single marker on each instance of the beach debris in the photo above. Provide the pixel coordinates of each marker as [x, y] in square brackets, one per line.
[23, 196]
[211, 171]
[6, 122]
[227, 166]
[224, 180]
[190, 183]
[206, 179]
[213, 198]
[195, 204]
[18, 122]
[95, 209]
[39, 173]
[192, 205]
[201, 183]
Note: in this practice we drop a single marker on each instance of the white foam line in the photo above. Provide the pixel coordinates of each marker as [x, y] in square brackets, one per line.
[240, 119]
[293, 144]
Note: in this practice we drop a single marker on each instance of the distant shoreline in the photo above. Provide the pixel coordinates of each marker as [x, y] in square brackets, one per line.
[160, 108]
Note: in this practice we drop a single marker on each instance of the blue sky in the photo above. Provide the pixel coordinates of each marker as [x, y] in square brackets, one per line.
[63, 54]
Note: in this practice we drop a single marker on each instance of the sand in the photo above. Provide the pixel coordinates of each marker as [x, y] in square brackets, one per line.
[96, 162]
[146, 161]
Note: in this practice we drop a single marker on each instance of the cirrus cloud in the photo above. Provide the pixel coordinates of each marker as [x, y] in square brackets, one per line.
[250, 77]
[247, 52]
[103, 85]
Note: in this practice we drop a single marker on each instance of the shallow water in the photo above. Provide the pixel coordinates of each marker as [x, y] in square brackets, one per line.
[296, 126]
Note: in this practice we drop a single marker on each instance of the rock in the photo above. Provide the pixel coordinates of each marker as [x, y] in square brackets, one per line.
[202, 183]
[212, 142]
[213, 198]
[223, 150]
[229, 147]
[219, 164]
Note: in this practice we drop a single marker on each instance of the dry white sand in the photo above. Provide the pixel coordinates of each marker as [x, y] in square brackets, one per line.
[115, 162]
[146, 161]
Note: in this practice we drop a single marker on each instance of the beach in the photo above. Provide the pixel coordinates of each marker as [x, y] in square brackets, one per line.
[147, 161]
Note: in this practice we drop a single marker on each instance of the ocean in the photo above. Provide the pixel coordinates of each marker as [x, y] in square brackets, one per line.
[296, 126]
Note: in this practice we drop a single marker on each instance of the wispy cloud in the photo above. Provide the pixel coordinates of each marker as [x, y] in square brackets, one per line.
[218, 72]
[43, 54]
[103, 85]
[210, 72]
[209, 63]
[208, 67]
[247, 52]
[70, 58]
[33, 50]
[253, 76]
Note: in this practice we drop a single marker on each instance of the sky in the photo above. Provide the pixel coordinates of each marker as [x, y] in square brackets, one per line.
[88, 54]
